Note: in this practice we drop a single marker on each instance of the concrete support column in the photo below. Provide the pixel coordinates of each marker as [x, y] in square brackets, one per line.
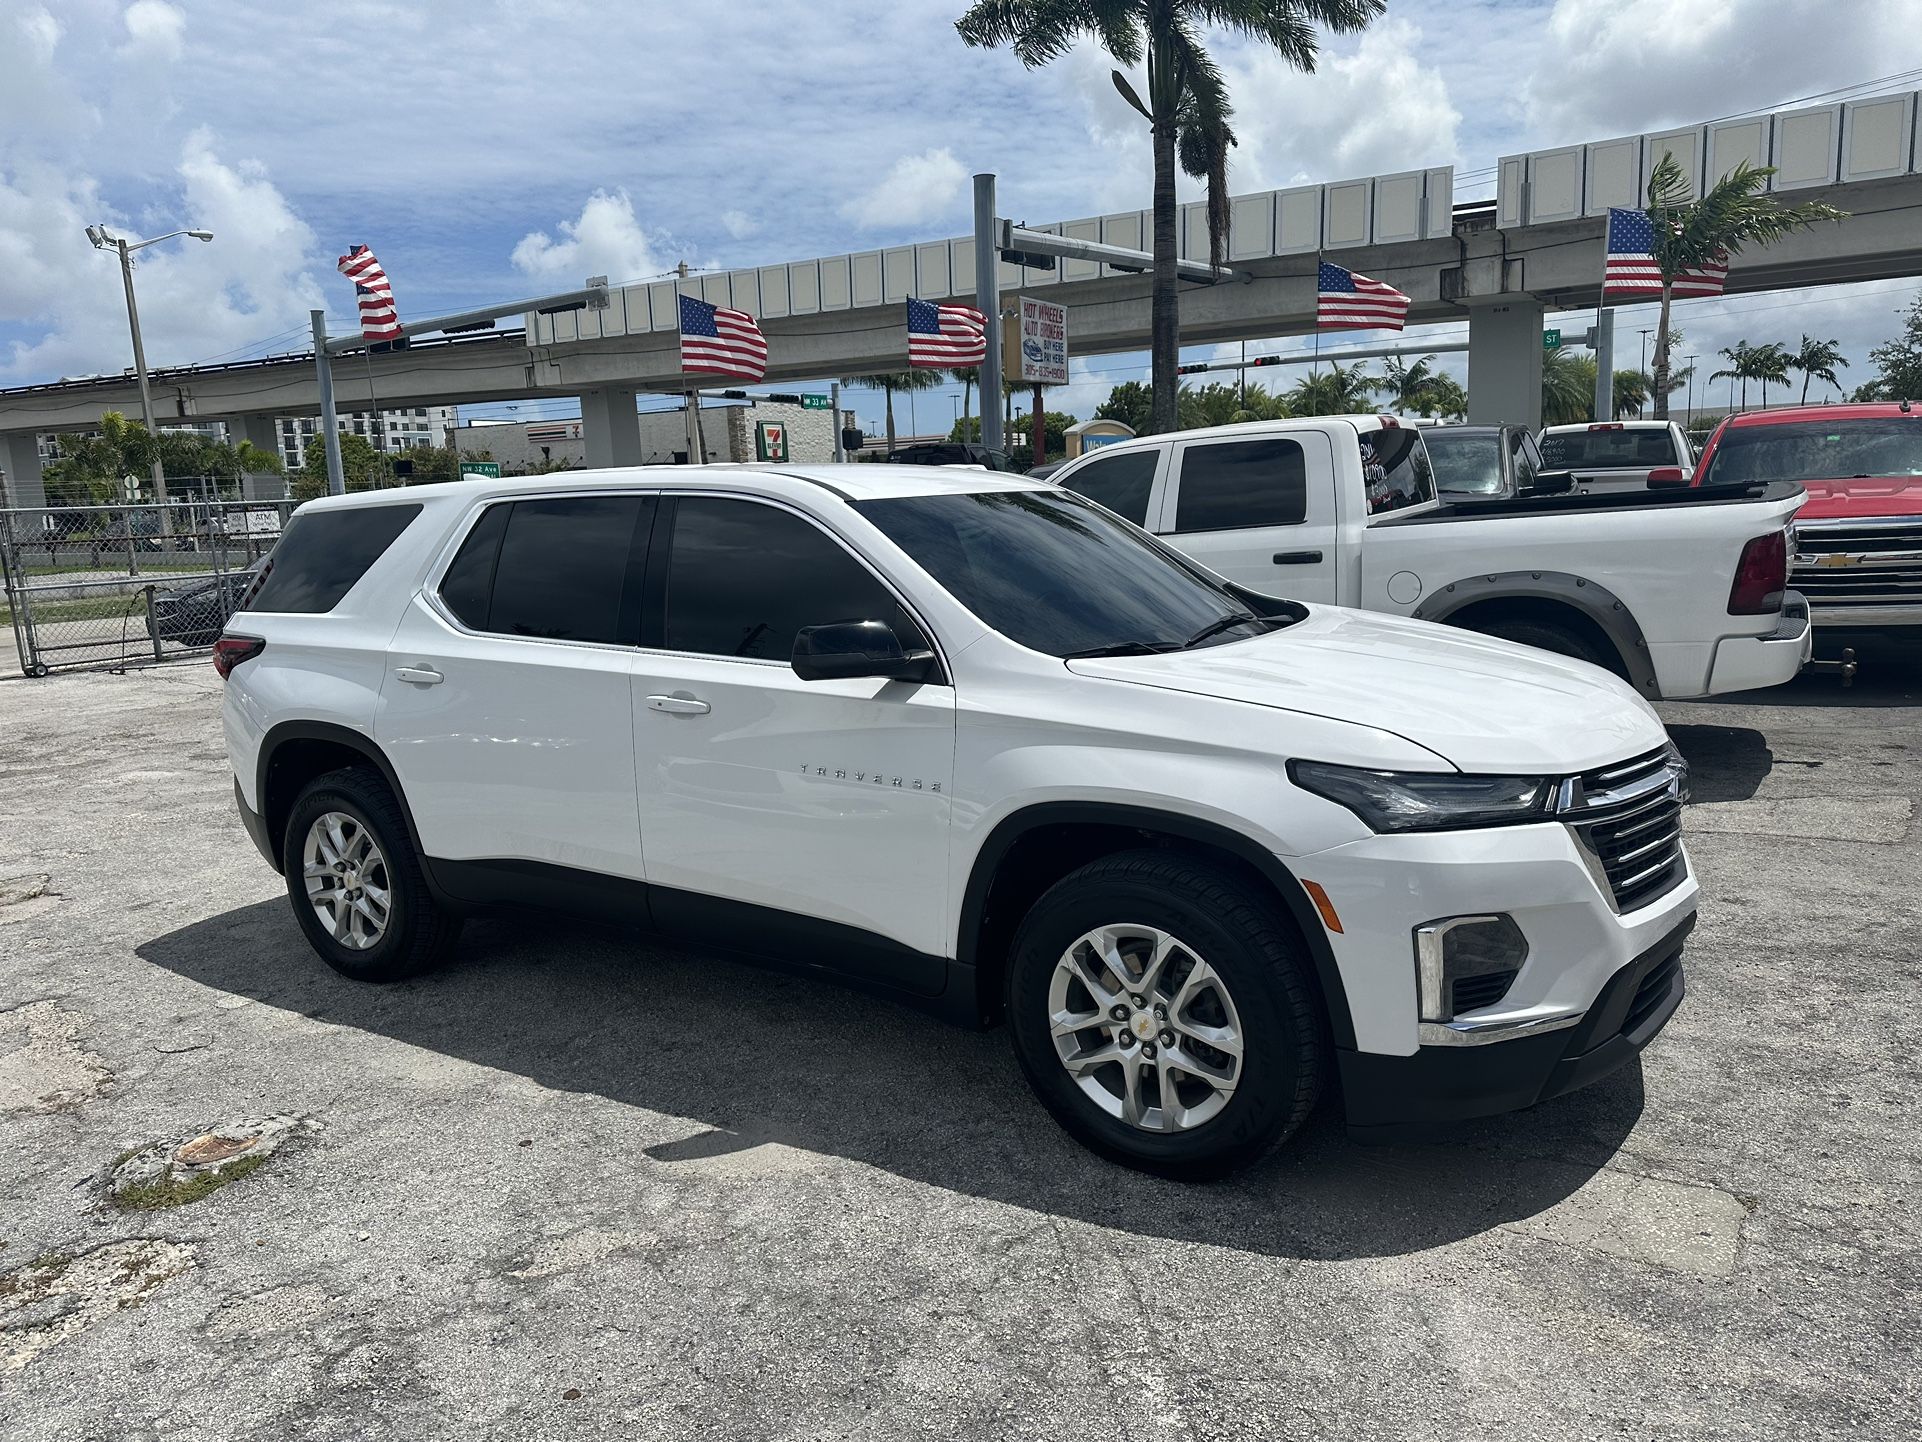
[610, 427]
[1505, 362]
[20, 467]
[263, 432]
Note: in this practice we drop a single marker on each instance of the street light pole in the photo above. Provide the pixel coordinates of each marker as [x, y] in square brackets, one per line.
[103, 241]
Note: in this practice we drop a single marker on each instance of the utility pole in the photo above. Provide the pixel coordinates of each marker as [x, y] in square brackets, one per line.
[1038, 430]
[329, 425]
[140, 369]
[834, 409]
[1605, 364]
[987, 299]
[1691, 390]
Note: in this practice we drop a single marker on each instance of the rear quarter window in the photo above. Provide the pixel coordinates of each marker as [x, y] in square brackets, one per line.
[324, 553]
[1395, 469]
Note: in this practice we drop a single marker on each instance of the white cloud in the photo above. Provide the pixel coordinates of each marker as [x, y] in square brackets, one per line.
[918, 190]
[1635, 65]
[154, 30]
[196, 300]
[739, 224]
[605, 239]
[39, 31]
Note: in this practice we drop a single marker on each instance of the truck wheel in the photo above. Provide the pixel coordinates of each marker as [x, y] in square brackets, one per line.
[356, 882]
[1161, 1010]
[1547, 636]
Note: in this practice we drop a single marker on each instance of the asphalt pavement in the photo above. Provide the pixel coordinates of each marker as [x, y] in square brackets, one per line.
[576, 1184]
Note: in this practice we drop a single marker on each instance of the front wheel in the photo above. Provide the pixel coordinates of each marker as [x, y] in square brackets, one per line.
[356, 882]
[1161, 1010]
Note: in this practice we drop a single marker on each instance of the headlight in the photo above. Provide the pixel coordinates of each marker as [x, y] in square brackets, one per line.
[1427, 801]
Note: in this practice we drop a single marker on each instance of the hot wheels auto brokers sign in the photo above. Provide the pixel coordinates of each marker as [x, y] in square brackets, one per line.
[1041, 343]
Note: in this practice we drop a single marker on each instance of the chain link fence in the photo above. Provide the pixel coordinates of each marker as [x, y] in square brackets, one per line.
[107, 587]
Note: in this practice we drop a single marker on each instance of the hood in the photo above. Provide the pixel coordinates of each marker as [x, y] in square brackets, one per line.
[1481, 704]
[1862, 497]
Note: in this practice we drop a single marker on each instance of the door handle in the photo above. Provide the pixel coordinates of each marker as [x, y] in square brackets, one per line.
[678, 705]
[419, 675]
[1297, 558]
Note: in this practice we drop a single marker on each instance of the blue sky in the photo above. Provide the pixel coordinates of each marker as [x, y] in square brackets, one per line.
[487, 150]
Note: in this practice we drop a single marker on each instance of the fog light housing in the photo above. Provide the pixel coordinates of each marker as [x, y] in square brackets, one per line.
[1464, 963]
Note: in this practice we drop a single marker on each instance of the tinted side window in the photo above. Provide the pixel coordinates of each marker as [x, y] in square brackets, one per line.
[324, 552]
[1528, 461]
[1121, 483]
[565, 567]
[744, 577]
[469, 581]
[1242, 483]
[1395, 469]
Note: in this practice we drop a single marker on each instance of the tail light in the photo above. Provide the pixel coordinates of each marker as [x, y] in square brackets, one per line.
[230, 651]
[1760, 576]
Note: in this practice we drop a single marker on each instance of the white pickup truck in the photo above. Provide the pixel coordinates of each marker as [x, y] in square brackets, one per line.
[1602, 456]
[1680, 592]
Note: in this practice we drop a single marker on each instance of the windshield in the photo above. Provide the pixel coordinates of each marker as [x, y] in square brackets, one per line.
[1061, 576]
[1466, 465]
[1621, 450]
[1817, 451]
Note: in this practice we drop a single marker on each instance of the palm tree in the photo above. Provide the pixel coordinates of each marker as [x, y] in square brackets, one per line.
[1631, 390]
[1568, 387]
[1770, 363]
[1741, 366]
[892, 381]
[967, 376]
[1410, 387]
[1187, 107]
[1448, 397]
[1817, 360]
[1338, 391]
[1689, 234]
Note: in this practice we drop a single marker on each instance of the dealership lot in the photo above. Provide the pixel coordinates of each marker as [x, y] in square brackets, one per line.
[574, 1184]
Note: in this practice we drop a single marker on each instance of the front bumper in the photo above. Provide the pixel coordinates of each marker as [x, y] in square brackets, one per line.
[1390, 1097]
[1750, 663]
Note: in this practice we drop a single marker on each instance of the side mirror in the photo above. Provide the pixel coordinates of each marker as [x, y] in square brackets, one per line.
[1667, 476]
[1551, 483]
[843, 650]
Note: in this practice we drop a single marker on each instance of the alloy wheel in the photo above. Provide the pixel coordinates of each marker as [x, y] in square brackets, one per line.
[347, 880]
[1146, 1027]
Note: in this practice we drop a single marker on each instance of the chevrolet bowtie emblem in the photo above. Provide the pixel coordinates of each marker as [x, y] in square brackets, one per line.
[1838, 558]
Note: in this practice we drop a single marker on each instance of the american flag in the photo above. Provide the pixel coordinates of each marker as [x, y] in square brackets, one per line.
[722, 342]
[1347, 301]
[946, 335]
[378, 319]
[1632, 271]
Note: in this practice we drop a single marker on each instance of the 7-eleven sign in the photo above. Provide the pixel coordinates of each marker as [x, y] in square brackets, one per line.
[770, 440]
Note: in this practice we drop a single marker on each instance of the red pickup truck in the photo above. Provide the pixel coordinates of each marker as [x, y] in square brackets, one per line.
[1858, 553]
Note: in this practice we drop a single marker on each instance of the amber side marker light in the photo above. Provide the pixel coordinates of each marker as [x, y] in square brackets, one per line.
[1329, 918]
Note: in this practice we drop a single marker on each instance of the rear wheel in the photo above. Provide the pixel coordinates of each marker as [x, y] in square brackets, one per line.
[356, 882]
[1161, 1010]
[1547, 636]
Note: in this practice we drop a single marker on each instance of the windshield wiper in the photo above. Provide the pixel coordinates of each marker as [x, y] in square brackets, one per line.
[1215, 628]
[1124, 648]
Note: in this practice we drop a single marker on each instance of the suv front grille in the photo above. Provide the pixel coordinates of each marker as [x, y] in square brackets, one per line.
[1859, 563]
[1627, 818]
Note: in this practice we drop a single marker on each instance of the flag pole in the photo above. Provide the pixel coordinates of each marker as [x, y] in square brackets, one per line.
[692, 417]
[329, 426]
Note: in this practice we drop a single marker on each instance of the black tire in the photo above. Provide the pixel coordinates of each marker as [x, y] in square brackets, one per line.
[1562, 640]
[419, 932]
[1250, 943]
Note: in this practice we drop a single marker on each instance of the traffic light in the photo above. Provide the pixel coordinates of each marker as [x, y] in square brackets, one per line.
[852, 439]
[1189, 370]
[1265, 360]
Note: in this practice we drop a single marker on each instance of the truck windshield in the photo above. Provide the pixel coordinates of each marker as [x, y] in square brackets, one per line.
[1061, 576]
[1817, 451]
[1610, 449]
[1466, 465]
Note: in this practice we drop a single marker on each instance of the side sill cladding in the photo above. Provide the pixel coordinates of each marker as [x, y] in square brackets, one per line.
[1578, 593]
[1151, 824]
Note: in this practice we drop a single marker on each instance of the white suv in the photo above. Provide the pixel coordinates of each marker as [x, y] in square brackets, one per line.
[984, 745]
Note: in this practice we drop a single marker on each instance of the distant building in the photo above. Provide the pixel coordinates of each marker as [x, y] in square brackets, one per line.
[393, 431]
[730, 429]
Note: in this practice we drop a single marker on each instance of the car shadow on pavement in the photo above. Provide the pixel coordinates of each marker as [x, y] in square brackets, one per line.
[753, 1057]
